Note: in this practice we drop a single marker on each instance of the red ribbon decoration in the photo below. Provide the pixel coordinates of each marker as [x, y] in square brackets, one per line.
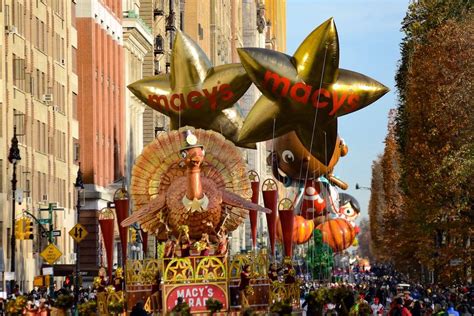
[270, 200]
[107, 228]
[255, 184]
[287, 220]
[145, 243]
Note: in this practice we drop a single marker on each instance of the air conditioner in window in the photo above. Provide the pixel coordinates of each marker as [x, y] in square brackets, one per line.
[11, 29]
[47, 98]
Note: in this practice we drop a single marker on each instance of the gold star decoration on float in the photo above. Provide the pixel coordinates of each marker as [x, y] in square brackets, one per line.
[195, 93]
[285, 204]
[180, 269]
[305, 92]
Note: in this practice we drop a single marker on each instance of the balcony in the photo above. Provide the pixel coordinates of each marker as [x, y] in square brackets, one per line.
[159, 45]
[170, 22]
[131, 20]
[158, 12]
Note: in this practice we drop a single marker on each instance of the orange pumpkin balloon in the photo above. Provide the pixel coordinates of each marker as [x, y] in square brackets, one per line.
[302, 230]
[337, 233]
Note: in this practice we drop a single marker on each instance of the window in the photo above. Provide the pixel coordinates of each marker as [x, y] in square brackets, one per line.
[200, 31]
[60, 145]
[76, 152]
[74, 60]
[1, 175]
[19, 72]
[44, 137]
[19, 122]
[36, 36]
[18, 16]
[74, 105]
[59, 97]
[73, 13]
[42, 37]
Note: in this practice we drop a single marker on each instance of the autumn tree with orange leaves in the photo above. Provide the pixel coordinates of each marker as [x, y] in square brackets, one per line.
[424, 221]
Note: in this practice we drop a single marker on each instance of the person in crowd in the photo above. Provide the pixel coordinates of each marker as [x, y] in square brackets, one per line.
[398, 308]
[451, 311]
[377, 307]
[138, 310]
[245, 278]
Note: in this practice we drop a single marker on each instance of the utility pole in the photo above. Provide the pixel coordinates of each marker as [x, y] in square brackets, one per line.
[13, 158]
[79, 185]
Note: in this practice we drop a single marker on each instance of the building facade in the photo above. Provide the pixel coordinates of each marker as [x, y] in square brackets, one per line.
[137, 42]
[164, 17]
[38, 94]
[101, 114]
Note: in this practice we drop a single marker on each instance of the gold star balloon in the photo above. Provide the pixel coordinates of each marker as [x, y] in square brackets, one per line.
[195, 93]
[305, 93]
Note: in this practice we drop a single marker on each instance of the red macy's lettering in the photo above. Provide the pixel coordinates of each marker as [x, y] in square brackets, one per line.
[303, 93]
[193, 99]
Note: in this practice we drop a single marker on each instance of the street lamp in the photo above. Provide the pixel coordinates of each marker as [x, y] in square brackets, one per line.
[358, 187]
[79, 185]
[13, 158]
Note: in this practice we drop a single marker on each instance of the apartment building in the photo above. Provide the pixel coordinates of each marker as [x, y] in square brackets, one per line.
[38, 96]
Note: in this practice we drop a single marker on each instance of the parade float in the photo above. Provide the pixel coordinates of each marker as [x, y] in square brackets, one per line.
[190, 186]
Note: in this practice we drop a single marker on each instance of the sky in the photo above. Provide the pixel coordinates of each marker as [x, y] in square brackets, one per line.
[369, 39]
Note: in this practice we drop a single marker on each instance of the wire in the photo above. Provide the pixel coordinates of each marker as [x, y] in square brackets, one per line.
[317, 107]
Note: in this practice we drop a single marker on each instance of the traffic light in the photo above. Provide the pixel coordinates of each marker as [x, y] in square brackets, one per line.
[19, 228]
[68, 281]
[28, 229]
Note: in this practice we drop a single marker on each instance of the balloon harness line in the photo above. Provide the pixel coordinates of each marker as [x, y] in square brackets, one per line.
[301, 184]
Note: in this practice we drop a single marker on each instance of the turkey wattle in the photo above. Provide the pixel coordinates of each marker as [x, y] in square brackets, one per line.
[173, 185]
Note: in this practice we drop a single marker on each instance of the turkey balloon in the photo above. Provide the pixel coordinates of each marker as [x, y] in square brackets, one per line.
[190, 177]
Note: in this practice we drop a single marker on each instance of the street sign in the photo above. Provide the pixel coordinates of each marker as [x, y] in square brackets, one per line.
[44, 221]
[51, 253]
[9, 276]
[78, 233]
[41, 280]
[54, 233]
[48, 271]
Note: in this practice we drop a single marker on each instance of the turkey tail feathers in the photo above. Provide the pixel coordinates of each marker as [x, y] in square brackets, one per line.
[160, 165]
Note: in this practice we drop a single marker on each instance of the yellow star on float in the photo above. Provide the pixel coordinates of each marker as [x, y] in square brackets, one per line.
[180, 269]
[195, 93]
[286, 204]
[305, 92]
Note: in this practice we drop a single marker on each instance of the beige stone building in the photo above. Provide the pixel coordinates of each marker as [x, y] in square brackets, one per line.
[138, 42]
[38, 95]
[164, 17]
